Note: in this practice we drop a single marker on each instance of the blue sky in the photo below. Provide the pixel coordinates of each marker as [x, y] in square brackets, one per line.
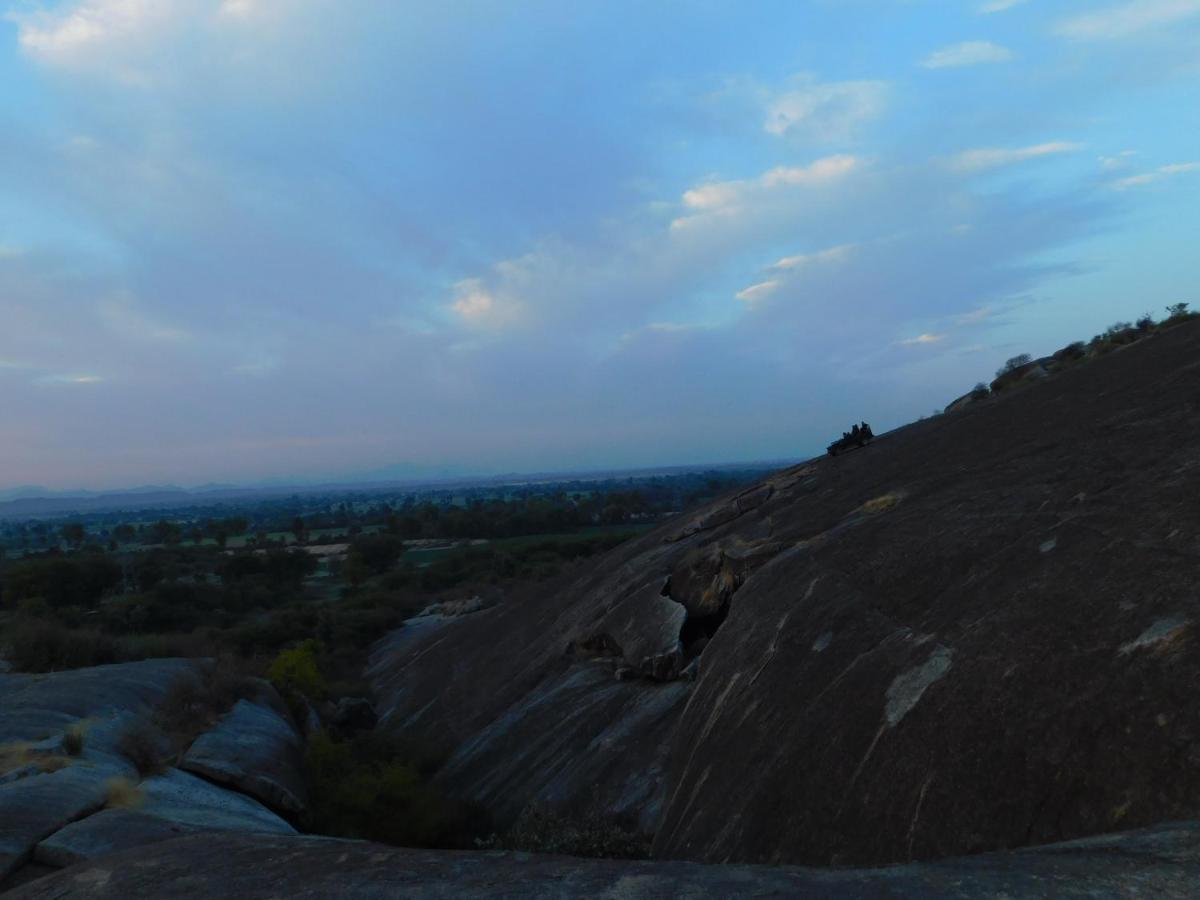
[245, 239]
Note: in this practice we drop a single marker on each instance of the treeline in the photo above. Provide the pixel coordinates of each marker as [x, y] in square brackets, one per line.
[1117, 335]
[482, 512]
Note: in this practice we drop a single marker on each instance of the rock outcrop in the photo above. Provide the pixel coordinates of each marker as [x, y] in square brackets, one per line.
[62, 800]
[1160, 863]
[257, 751]
[979, 633]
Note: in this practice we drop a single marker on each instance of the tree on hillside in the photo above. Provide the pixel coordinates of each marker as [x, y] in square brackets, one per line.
[1015, 362]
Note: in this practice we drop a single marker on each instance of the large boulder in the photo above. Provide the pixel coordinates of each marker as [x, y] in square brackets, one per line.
[257, 751]
[978, 634]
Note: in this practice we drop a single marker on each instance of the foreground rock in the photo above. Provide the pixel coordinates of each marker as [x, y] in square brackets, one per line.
[66, 800]
[257, 751]
[979, 633]
[105, 832]
[43, 788]
[1159, 863]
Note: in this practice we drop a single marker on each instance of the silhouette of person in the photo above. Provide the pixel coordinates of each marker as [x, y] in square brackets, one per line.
[856, 431]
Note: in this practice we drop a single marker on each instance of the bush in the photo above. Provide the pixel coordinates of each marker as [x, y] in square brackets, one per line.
[1077, 350]
[35, 645]
[194, 702]
[296, 671]
[1013, 363]
[1120, 333]
[365, 788]
[143, 745]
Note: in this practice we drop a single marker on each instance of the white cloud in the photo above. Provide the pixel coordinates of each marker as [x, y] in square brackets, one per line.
[728, 197]
[471, 301]
[757, 292]
[71, 35]
[974, 317]
[922, 340]
[993, 157]
[1159, 173]
[996, 6]
[1118, 161]
[1126, 19]
[826, 169]
[968, 53]
[241, 9]
[68, 379]
[831, 112]
[803, 260]
[713, 195]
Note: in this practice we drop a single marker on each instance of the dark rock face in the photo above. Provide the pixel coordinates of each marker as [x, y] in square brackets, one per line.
[979, 633]
[1163, 862]
[257, 751]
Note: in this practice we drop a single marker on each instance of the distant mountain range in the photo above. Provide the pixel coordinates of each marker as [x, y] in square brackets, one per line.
[34, 501]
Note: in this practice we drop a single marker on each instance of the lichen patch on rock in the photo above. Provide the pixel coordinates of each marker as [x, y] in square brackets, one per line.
[906, 690]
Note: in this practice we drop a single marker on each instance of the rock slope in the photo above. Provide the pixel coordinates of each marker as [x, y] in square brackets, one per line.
[979, 633]
[1160, 863]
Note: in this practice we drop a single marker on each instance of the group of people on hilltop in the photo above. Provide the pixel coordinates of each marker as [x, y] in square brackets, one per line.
[861, 432]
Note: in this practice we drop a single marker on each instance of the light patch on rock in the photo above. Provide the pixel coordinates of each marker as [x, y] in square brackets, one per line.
[1047, 546]
[822, 642]
[94, 878]
[1163, 630]
[906, 690]
[881, 504]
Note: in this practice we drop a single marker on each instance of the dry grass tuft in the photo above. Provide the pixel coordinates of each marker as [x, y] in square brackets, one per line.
[121, 793]
[74, 738]
[20, 754]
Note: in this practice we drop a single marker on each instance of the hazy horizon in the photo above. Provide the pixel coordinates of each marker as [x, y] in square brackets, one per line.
[276, 239]
[389, 476]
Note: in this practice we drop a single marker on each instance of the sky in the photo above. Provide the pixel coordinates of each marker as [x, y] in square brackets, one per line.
[318, 239]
